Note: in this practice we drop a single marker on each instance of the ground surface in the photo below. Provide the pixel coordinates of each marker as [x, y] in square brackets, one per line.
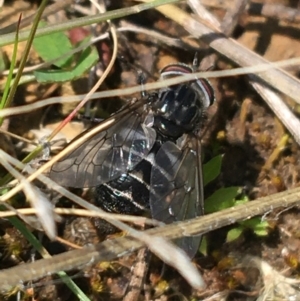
[239, 125]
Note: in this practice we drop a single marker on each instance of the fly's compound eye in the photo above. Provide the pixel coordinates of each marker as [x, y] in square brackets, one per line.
[205, 91]
[174, 70]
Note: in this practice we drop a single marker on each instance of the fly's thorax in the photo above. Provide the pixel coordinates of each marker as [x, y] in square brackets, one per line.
[179, 109]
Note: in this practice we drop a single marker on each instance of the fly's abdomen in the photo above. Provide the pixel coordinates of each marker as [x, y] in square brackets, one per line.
[128, 194]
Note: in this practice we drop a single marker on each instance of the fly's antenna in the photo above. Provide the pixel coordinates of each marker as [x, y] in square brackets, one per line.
[195, 64]
[141, 80]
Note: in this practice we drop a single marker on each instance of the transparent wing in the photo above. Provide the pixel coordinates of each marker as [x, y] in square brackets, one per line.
[107, 154]
[176, 187]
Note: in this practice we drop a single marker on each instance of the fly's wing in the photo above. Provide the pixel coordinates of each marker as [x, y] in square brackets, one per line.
[107, 154]
[176, 192]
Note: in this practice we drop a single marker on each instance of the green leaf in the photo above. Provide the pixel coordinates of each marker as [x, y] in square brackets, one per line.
[241, 201]
[53, 46]
[87, 60]
[203, 246]
[212, 169]
[234, 234]
[221, 199]
[258, 226]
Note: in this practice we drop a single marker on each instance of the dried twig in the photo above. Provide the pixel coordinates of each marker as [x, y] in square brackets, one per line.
[227, 26]
[111, 249]
[234, 51]
[278, 106]
[231, 18]
[276, 11]
[245, 57]
[139, 272]
[51, 9]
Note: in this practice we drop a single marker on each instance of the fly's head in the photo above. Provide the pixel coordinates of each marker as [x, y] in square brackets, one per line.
[179, 108]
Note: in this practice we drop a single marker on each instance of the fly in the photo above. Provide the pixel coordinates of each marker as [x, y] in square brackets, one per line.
[149, 161]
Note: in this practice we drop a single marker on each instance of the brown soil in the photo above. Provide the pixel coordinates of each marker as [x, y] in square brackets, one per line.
[239, 125]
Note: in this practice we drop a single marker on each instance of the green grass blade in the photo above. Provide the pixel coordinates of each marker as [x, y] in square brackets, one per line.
[4, 99]
[212, 169]
[16, 222]
[79, 22]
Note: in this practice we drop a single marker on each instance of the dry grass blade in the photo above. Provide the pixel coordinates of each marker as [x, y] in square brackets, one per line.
[228, 24]
[202, 13]
[262, 68]
[234, 51]
[139, 271]
[116, 248]
[88, 20]
[276, 286]
[231, 18]
[257, 154]
[277, 11]
[95, 87]
[84, 212]
[37, 199]
[270, 10]
[278, 106]
[272, 99]
[158, 245]
[28, 20]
